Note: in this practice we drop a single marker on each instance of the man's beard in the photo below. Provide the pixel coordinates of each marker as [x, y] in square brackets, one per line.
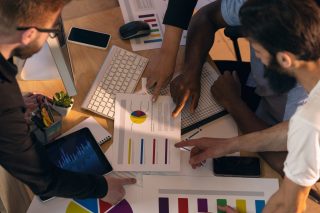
[278, 79]
[27, 51]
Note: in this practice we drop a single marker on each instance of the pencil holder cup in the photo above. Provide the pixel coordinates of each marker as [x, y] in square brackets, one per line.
[48, 134]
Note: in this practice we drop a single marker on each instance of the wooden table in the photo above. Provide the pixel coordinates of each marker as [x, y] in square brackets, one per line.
[87, 61]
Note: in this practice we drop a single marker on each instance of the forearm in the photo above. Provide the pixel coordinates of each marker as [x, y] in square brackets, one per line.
[200, 37]
[289, 198]
[245, 118]
[271, 139]
[171, 42]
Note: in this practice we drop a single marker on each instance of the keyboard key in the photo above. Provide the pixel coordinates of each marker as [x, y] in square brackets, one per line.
[110, 114]
[103, 104]
[105, 111]
[131, 86]
[100, 109]
[136, 61]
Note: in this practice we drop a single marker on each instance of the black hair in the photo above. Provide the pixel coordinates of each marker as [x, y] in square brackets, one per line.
[284, 25]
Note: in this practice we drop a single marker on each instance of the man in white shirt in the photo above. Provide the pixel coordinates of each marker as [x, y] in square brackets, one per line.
[285, 36]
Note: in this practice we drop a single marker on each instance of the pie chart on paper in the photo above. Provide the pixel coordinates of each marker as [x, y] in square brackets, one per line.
[138, 117]
[97, 206]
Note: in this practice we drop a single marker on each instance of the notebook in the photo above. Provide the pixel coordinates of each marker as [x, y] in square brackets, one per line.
[99, 133]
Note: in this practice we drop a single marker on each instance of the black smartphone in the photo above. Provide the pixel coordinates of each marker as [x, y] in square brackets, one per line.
[237, 166]
[89, 38]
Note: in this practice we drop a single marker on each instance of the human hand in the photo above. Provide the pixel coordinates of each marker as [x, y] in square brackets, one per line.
[227, 209]
[204, 148]
[161, 75]
[226, 90]
[182, 88]
[116, 190]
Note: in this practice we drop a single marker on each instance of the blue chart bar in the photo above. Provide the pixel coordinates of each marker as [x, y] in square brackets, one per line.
[163, 205]
[151, 41]
[259, 205]
[141, 151]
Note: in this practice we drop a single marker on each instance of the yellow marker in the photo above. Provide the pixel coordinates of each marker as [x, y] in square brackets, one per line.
[129, 151]
[241, 206]
[45, 117]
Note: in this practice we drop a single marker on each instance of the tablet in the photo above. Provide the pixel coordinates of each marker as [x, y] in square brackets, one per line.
[78, 152]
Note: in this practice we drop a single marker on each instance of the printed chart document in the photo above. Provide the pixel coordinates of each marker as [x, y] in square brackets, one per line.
[145, 134]
[152, 12]
[203, 194]
[130, 204]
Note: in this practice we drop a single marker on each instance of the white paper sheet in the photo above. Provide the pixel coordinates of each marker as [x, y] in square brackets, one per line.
[201, 194]
[145, 134]
[152, 12]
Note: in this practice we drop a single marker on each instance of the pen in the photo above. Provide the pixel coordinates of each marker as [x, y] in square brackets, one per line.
[47, 107]
[194, 134]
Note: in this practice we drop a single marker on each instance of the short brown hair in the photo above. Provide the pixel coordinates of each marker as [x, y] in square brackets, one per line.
[26, 12]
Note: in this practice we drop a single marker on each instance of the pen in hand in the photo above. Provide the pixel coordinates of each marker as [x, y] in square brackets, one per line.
[189, 150]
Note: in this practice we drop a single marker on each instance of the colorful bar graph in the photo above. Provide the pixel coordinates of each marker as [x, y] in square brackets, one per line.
[141, 151]
[241, 206]
[163, 205]
[259, 205]
[129, 151]
[221, 202]
[202, 205]
[154, 151]
[166, 152]
[183, 205]
[155, 35]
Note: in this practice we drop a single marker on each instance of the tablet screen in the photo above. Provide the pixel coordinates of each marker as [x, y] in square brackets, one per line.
[78, 152]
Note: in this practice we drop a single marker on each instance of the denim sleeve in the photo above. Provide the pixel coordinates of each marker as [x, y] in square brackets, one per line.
[230, 11]
[295, 98]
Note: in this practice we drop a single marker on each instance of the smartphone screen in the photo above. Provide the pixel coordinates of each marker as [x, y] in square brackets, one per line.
[89, 38]
[237, 166]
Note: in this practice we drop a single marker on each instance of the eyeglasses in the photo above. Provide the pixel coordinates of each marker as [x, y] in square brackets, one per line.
[53, 32]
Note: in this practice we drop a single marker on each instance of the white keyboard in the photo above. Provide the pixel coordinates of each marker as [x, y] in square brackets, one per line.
[119, 73]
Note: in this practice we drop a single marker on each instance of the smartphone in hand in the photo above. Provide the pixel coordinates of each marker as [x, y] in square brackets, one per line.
[236, 166]
[89, 38]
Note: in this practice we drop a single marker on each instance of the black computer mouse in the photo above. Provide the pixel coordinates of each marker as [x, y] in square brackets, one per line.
[134, 29]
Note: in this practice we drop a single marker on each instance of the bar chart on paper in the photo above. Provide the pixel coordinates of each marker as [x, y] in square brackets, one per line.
[152, 12]
[184, 194]
[145, 134]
